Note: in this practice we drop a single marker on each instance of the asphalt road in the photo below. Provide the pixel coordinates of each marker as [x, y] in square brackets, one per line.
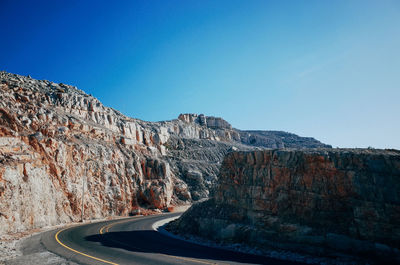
[134, 241]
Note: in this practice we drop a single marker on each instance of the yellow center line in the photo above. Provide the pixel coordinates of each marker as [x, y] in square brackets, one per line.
[81, 253]
[102, 229]
[107, 228]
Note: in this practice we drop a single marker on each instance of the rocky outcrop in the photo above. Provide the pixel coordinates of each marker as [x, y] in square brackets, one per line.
[222, 130]
[321, 201]
[208, 121]
[278, 139]
[54, 139]
[197, 162]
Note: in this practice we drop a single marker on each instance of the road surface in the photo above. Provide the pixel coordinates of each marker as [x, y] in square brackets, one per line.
[134, 241]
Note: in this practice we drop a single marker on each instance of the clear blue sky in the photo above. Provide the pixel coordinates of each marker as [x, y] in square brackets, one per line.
[327, 69]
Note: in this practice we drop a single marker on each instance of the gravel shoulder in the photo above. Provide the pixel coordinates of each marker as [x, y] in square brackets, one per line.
[26, 248]
[30, 250]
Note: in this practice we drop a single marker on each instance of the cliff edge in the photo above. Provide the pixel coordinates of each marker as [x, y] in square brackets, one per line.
[319, 201]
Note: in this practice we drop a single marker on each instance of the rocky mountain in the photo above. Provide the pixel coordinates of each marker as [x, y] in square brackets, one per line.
[267, 139]
[58, 144]
[320, 201]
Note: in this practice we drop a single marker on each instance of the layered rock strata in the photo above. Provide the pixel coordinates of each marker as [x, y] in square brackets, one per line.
[268, 139]
[55, 141]
[321, 201]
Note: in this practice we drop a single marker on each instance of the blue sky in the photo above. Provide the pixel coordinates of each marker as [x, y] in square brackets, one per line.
[327, 69]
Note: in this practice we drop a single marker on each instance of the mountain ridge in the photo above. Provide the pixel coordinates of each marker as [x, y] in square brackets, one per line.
[54, 136]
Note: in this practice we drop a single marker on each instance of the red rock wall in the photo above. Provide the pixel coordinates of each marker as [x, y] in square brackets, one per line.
[310, 200]
[53, 137]
[356, 193]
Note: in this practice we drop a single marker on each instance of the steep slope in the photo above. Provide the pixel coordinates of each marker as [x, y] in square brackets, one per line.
[56, 140]
[320, 201]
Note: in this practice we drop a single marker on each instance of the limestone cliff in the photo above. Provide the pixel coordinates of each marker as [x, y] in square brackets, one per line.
[54, 139]
[317, 200]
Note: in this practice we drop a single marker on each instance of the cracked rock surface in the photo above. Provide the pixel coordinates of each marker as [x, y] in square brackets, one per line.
[56, 141]
[319, 201]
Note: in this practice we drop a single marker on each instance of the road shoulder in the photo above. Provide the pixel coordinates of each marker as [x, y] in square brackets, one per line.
[31, 250]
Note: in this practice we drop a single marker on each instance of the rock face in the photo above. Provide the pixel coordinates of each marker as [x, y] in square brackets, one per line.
[197, 162]
[54, 139]
[277, 139]
[316, 200]
[222, 130]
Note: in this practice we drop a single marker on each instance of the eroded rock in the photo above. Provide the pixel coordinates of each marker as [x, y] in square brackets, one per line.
[320, 201]
[54, 139]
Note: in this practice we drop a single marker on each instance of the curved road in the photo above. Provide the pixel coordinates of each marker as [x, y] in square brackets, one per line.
[134, 241]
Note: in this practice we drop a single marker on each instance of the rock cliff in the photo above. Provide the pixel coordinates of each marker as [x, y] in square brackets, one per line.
[55, 141]
[321, 201]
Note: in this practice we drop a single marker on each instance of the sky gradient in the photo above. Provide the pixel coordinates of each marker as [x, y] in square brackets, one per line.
[326, 69]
